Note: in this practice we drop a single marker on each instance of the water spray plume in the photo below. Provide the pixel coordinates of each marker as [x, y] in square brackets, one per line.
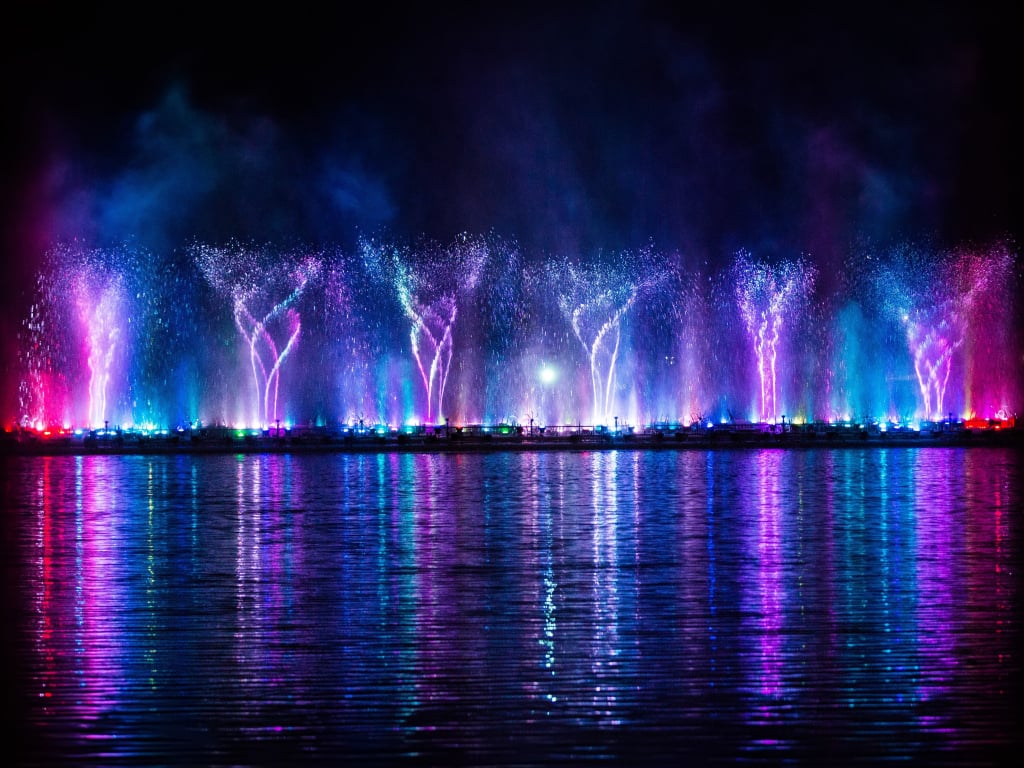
[471, 331]
[595, 299]
[429, 282]
[101, 311]
[769, 295]
[263, 292]
[936, 302]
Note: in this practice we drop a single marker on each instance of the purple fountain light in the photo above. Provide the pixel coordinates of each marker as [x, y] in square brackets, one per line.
[102, 311]
[767, 295]
[262, 295]
[940, 303]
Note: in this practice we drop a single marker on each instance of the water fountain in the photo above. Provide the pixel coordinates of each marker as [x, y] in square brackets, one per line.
[430, 282]
[595, 299]
[768, 295]
[77, 340]
[262, 295]
[940, 305]
[102, 310]
[473, 333]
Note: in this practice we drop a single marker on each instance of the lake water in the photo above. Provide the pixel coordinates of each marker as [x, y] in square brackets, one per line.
[611, 607]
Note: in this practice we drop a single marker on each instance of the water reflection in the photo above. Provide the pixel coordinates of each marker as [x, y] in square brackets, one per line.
[605, 574]
[766, 603]
[751, 605]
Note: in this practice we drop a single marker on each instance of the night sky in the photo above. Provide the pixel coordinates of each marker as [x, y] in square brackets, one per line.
[573, 129]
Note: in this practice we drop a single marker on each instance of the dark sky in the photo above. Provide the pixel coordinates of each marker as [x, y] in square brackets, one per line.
[570, 128]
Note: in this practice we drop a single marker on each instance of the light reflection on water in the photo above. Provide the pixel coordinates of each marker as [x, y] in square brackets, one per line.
[632, 606]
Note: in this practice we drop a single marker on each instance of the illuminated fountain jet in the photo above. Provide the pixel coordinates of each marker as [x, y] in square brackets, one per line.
[102, 314]
[767, 295]
[429, 284]
[933, 334]
[263, 296]
[936, 300]
[431, 338]
[595, 300]
[77, 339]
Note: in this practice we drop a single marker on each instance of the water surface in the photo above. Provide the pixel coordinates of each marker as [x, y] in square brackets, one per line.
[617, 607]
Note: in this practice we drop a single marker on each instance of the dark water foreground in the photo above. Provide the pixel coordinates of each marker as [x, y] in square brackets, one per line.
[515, 608]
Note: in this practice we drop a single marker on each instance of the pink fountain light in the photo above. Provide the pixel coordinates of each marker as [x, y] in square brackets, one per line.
[942, 305]
[42, 391]
[76, 344]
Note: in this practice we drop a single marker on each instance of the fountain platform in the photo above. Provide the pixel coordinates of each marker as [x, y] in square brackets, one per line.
[502, 437]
